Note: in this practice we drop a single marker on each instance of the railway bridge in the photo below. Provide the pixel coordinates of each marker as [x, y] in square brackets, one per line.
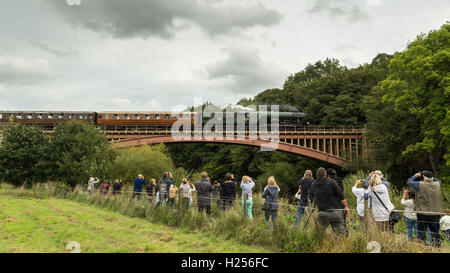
[330, 144]
[335, 145]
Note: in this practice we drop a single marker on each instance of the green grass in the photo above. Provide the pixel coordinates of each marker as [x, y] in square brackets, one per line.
[223, 231]
[47, 225]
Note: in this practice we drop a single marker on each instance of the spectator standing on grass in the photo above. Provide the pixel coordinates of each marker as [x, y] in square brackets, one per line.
[152, 188]
[204, 188]
[271, 205]
[330, 201]
[445, 223]
[91, 184]
[117, 186]
[381, 203]
[137, 189]
[186, 190]
[105, 187]
[216, 191]
[247, 185]
[359, 192]
[164, 186]
[228, 191]
[172, 194]
[331, 173]
[428, 204]
[410, 215]
[305, 194]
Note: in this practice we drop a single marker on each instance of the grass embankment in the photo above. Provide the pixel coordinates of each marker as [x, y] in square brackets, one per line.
[229, 226]
[47, 225]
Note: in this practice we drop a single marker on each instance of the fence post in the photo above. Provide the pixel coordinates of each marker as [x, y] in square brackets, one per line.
[366, 212]
[180, 204]
[245, 206]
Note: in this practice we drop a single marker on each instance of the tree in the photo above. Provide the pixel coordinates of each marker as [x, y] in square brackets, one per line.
[24, 155]
[79, 152]
[419, 83]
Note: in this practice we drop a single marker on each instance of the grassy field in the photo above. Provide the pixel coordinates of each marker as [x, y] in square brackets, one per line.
[45, 217]
[47, 225]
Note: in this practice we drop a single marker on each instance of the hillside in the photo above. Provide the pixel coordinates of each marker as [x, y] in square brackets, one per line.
[47, 225]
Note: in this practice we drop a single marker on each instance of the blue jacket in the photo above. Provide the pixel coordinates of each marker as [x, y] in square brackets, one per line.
[415, 184]
[138, 184]
[271, 195]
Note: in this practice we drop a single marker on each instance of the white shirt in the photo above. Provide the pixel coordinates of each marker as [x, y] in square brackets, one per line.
[379, 212]
[445, 222]
[186, 189]
[91, 184]
[359, 193]
[409, 209]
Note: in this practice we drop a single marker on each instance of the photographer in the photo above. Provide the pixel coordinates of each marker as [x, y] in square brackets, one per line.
[164, 186]
[331, 203]
[305, 194]
[380, 174]
[428, 204]
[359, 193]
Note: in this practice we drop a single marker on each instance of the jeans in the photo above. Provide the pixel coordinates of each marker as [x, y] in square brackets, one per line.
[186, 202]
[201, 207]
[430, 222]
[268, 214]
[335, 218]
[138, 194]
[300, 211]
[227, 203]
[249, 207]
[410, 225]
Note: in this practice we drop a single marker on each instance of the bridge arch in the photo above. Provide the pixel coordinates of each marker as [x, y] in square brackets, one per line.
[304, 151]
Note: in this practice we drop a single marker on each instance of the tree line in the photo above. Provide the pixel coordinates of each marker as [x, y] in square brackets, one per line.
[402, 99]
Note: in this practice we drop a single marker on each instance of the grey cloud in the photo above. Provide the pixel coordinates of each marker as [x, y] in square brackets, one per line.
[246, 71]
[137, 18]
[350, 10]
[18, 71]
[58, 52]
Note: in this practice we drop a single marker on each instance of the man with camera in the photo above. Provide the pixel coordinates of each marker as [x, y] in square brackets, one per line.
[428, 204]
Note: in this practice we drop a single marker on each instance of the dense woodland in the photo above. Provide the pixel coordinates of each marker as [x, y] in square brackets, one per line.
[402, 99]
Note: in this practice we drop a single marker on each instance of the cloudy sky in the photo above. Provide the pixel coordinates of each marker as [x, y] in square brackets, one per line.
[164, 55]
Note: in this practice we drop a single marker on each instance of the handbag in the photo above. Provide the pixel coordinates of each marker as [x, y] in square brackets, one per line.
[394, 216]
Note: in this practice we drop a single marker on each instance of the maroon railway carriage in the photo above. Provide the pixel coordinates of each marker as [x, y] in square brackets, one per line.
[47, 120]
[142, 121]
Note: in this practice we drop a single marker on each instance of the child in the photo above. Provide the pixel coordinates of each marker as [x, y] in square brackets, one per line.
[247, 185]
[105, 187]
[410, 215]
[359, 193]
[172, 193]
[445, 223]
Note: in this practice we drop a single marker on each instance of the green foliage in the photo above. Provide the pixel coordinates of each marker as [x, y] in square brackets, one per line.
[24, 155]
[408, 114]
[80, 152]
[151, 161]
[219, 159]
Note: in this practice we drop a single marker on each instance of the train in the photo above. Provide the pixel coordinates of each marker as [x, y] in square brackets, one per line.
[140, 121]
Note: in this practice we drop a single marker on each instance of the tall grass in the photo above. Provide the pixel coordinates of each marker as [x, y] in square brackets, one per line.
[230, 224]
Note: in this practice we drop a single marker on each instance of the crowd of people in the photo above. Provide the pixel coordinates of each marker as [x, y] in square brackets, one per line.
[423, 202]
